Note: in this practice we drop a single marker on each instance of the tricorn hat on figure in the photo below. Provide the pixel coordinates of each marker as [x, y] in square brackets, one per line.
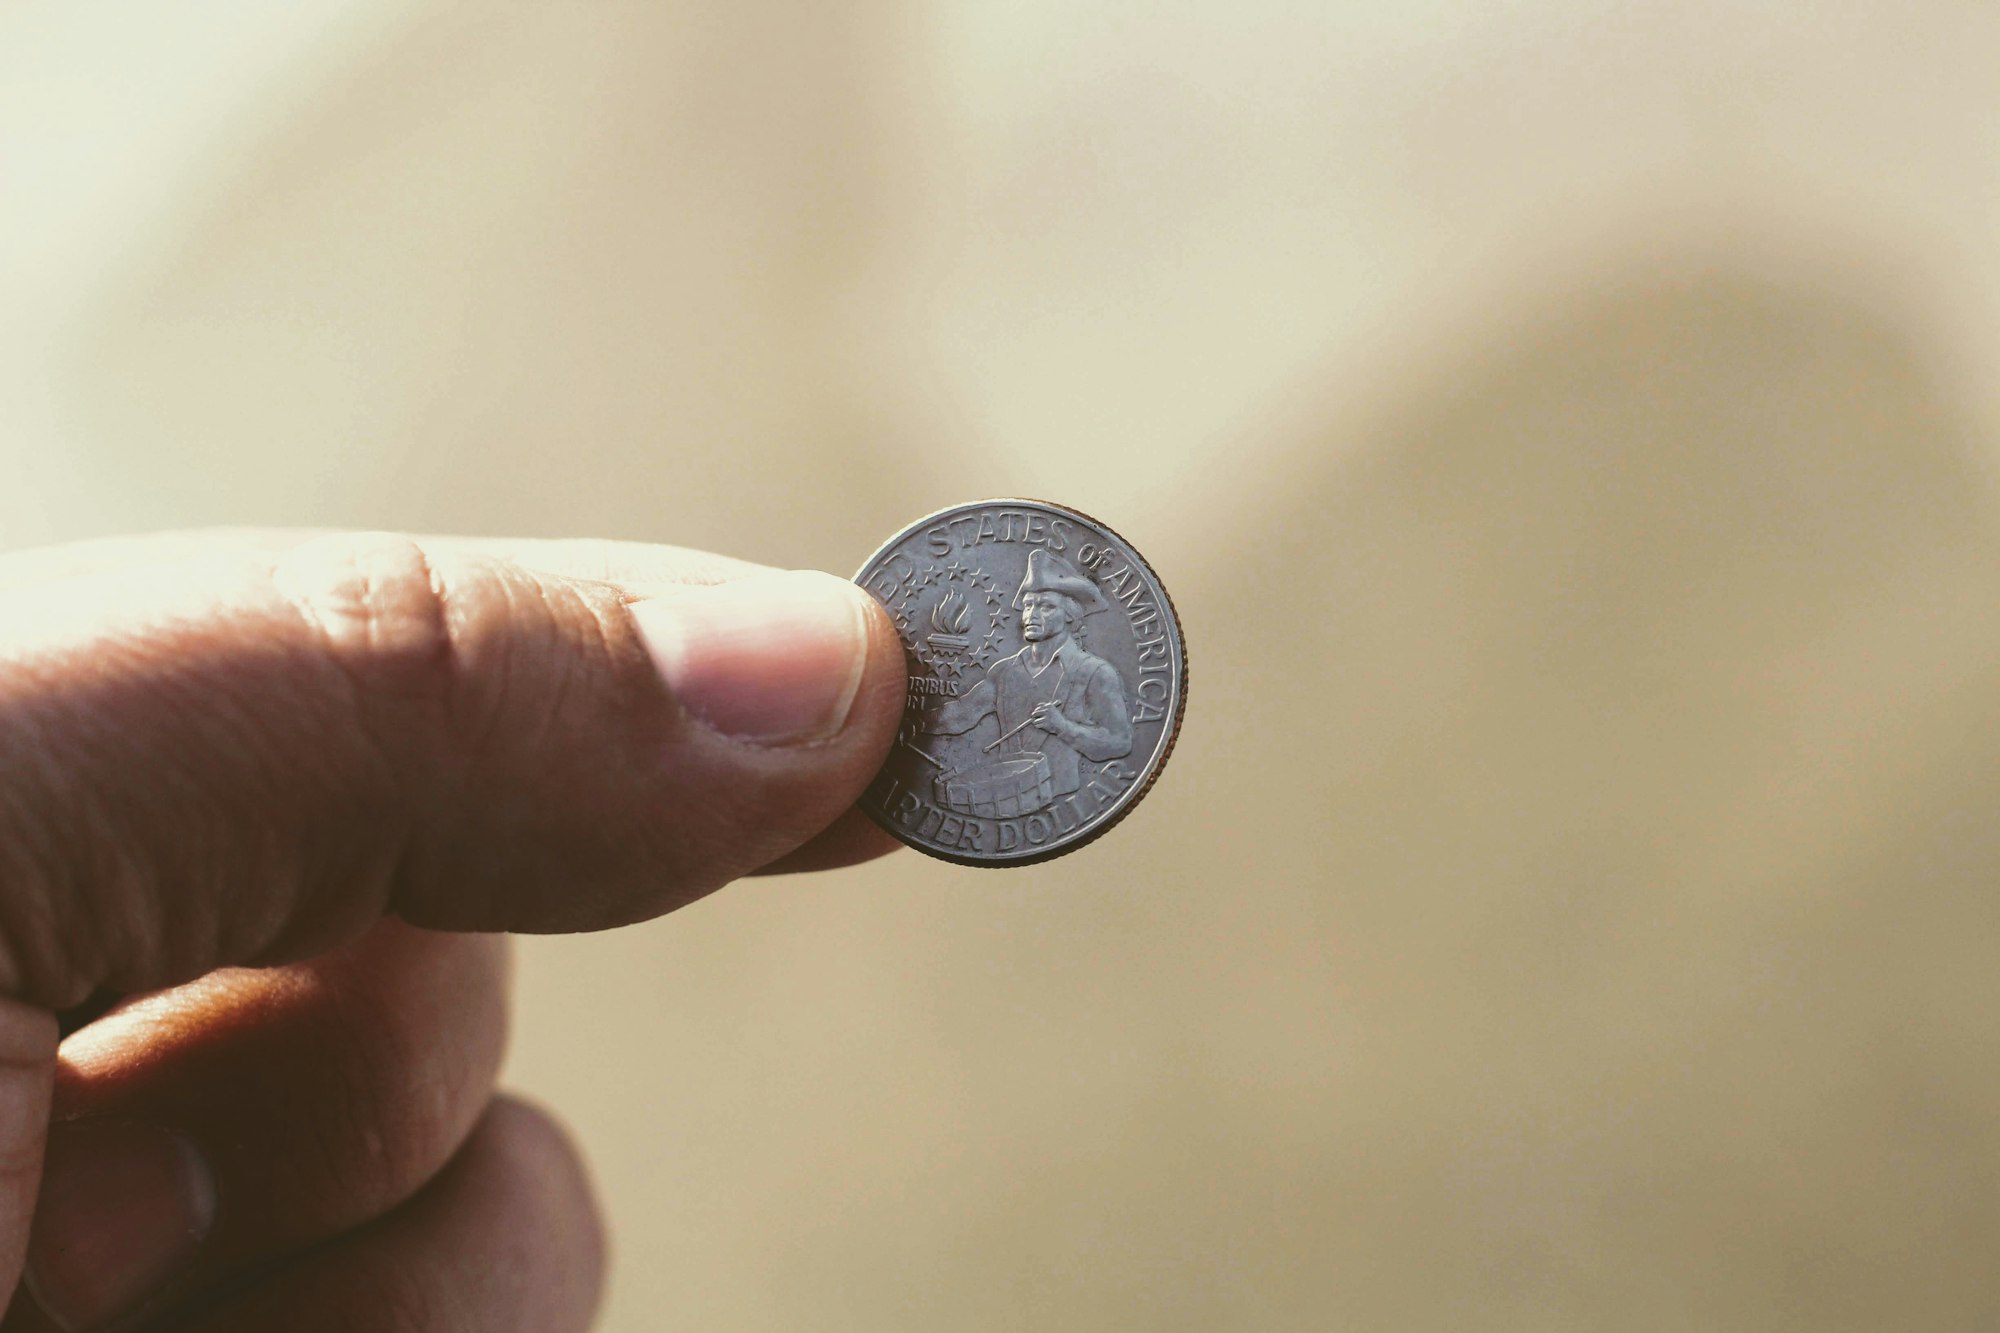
[1052, 573]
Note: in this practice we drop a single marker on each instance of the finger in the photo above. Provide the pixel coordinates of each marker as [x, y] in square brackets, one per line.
[253, 1113]
[852, 838]
[27, 1072]
[849, 840]
[248, 758]
[507, 1239]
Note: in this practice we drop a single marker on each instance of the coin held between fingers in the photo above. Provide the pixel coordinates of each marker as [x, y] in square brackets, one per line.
[1047, 681]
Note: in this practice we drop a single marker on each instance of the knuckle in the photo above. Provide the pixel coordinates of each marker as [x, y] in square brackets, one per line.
[479, 637]
[377, 604]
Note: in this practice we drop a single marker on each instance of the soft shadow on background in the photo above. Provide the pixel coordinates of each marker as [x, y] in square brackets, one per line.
[1571, 903]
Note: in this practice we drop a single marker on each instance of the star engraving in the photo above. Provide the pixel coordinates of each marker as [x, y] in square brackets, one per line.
[989, 598]
[989, 647]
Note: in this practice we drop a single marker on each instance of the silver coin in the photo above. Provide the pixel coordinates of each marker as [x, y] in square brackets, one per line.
[1047, 681]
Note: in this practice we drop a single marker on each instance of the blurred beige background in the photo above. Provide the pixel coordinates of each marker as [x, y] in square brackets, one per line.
[1568, 428]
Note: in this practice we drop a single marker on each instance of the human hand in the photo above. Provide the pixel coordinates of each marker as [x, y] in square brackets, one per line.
[268, 785]
[1049, 718]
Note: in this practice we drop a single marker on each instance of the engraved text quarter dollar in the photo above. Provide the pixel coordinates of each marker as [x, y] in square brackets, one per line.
[1047, 681]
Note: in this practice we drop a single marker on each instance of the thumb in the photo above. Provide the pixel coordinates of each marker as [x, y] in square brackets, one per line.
[247, 758]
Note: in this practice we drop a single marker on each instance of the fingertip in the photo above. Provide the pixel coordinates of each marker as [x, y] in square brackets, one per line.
[850, 840]
[508, 1236]
[530, 1165]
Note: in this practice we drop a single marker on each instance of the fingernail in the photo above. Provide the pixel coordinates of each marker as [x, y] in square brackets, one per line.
[775, 658]
[123, 1206]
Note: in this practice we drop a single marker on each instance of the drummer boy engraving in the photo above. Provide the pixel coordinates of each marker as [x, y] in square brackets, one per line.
[1053, 697]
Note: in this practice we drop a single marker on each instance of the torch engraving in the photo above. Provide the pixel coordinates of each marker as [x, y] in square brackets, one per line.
[950, 619]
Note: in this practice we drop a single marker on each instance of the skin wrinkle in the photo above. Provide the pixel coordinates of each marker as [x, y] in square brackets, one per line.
[268, 751]
[549, 716]
[204, 926]
[75, 979]
[31, 930]
[59, 963]
[114, 875]
[484, 579]
[483, 731]
[337, 613]
[423, 788]
[307, 610]
[268, 889]
[469, 721]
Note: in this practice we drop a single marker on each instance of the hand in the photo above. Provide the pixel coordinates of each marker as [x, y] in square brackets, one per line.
[1050, 719]
[267, 784]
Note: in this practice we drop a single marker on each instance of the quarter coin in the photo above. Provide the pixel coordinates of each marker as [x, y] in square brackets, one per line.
[1047, 679]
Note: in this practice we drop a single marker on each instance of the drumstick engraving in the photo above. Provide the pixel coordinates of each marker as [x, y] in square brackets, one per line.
[996, 740]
